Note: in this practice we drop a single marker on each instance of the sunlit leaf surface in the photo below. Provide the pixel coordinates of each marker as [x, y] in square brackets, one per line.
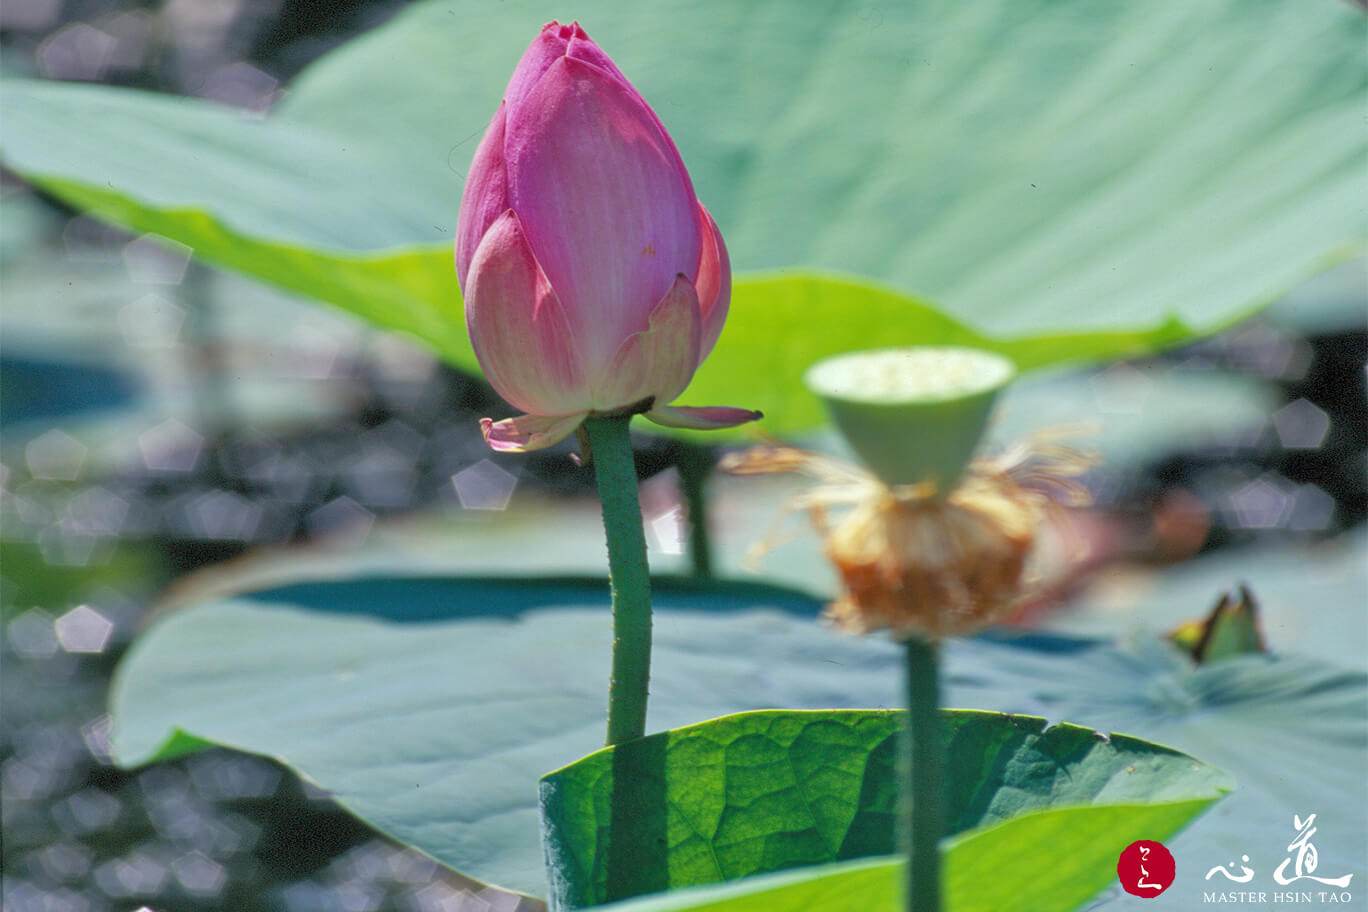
[1075, 854]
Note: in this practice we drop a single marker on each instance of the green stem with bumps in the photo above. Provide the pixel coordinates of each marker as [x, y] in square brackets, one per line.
[615, 472]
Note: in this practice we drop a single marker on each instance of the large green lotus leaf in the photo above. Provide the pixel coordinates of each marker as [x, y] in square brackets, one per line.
[1332, 302]
[431, 707]
[1079, 178]
[988, 870]
[301, 208]
[1310, 597]
[771, 790]
[1029, 165]
[1292, 730]
[782, 324]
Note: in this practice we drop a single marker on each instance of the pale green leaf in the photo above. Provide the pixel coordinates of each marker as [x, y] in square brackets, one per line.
[431, 707]
[1074, 179]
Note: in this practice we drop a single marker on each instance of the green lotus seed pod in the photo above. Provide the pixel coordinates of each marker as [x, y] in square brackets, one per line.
[912, 414]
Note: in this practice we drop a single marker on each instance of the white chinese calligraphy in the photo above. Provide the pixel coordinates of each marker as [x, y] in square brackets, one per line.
[1141, 883]
[1306, 857]
[1246, 875]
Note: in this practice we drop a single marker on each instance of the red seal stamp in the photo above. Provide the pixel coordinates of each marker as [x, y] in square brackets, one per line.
[1145, 868]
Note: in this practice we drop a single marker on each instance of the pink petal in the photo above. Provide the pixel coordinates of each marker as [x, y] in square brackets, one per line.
[705, 418]
[608, 213]
[713, 282]
[518, 328]
[485, 196]
[584, 49]
[529, 432]
[548, 47]
[659, 362]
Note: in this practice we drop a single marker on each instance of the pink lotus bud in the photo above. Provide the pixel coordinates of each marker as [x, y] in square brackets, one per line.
[594, 280]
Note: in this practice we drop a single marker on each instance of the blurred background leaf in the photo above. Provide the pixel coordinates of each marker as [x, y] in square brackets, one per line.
[1124, 178]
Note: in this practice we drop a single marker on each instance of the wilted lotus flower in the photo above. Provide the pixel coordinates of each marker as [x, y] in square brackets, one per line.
[594, 280]
[930, 542]
[925, 565]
